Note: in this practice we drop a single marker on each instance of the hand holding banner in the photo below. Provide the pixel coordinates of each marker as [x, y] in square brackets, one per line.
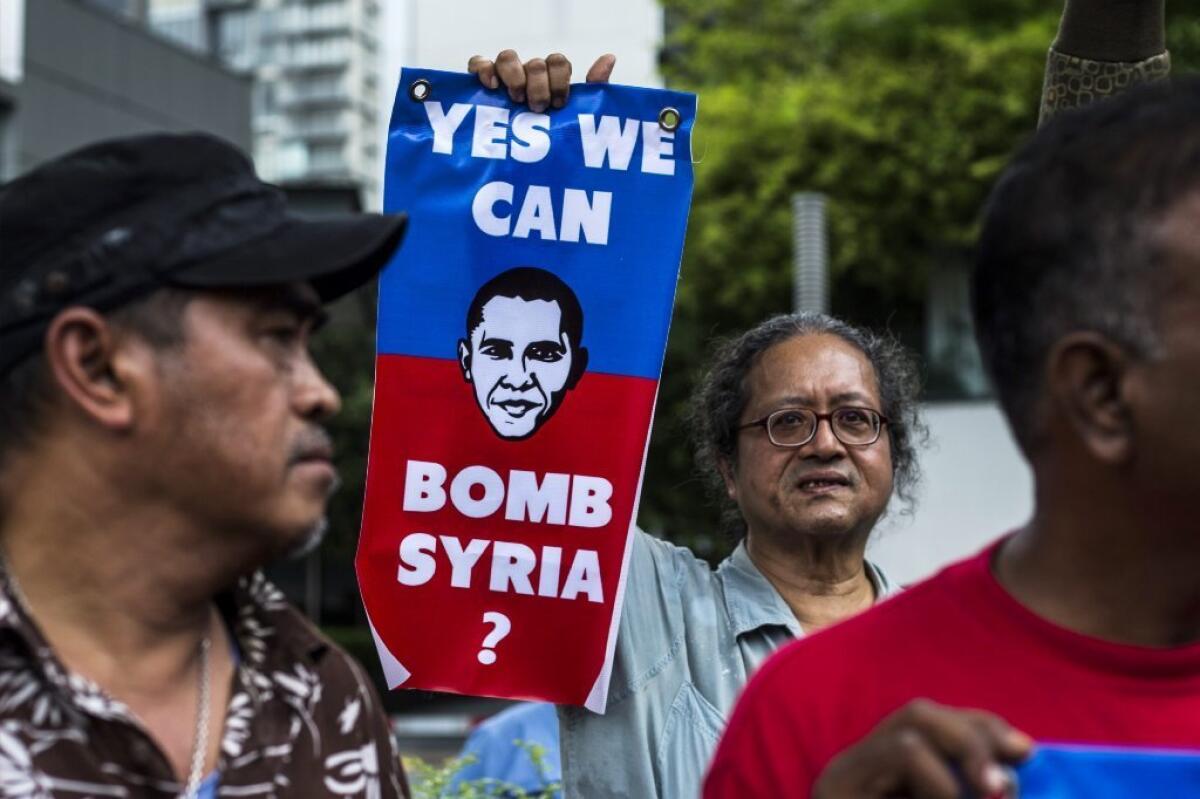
[521, 333]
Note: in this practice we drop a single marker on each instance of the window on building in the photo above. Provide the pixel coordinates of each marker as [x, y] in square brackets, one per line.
[327, 158]
[238, 38]
[266, 98]
[320, 51]
[8, 167]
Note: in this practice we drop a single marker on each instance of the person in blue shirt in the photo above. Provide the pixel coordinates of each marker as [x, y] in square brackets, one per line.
[501, 748]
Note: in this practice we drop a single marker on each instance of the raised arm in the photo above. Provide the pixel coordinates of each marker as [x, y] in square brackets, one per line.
[1104, 47]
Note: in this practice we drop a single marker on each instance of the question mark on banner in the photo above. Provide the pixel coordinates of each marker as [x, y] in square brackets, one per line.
[500, 628]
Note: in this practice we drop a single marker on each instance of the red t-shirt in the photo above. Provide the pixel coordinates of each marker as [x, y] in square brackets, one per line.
[960, 639]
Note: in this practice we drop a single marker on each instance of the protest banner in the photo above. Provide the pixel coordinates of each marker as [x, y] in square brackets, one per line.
[522, 328]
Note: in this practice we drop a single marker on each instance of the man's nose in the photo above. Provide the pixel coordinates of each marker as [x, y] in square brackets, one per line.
[315, 397]
[824, 443]
[517, 374]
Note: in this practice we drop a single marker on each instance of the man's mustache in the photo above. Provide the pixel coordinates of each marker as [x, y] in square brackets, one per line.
[312, 443]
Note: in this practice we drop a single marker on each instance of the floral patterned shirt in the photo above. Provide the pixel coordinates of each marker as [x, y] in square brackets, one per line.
[303, 718]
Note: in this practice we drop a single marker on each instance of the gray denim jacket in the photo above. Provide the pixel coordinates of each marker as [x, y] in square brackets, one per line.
[688, 641]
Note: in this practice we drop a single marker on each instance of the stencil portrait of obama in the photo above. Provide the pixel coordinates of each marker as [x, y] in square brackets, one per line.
[523, 350]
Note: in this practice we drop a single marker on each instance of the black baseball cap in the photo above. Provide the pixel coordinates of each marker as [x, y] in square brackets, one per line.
[113, 221]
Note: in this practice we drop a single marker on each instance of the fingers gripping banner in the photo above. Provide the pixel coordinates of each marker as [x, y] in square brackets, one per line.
[521, 334]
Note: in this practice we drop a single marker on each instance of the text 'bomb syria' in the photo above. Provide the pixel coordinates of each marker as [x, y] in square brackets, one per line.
[572, 500]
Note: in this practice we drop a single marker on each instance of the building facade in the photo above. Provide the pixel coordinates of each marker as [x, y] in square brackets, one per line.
[316, 66]
[73, 72]
[443, 35]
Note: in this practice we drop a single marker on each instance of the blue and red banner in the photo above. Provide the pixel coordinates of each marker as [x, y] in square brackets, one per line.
[521, 334]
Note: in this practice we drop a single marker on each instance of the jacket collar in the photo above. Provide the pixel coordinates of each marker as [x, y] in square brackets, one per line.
[752, 602]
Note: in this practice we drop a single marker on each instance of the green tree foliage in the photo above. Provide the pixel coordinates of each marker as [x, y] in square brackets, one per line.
[902, 112]
[442, 781]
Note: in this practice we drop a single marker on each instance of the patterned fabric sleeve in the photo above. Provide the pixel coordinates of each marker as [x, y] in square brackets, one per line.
[393, 782]
[1072, 82]
[372, 736]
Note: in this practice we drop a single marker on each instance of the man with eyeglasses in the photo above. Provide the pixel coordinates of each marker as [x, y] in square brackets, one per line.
[805, 426]
[1080, 630]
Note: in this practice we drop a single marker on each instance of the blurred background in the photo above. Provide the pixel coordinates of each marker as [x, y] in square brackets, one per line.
[843, 150]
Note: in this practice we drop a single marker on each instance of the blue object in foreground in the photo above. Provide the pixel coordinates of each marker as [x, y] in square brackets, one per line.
[210, 786]
[1090, 772]
[500, 758]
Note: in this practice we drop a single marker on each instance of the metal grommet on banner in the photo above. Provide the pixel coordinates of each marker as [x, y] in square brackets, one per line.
[669, 119]
[420, 90]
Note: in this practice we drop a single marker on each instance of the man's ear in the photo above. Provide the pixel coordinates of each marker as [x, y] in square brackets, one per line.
[579, 362]
[726, 469]
[92, 366]
[1085, 373]
[464, 359]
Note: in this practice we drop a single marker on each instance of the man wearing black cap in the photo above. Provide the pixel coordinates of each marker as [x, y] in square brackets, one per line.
[160, 440]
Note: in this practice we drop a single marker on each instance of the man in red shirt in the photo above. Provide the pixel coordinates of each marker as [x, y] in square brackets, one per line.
[1078, 636]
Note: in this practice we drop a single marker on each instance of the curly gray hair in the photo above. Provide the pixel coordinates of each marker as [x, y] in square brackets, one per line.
[718, 405]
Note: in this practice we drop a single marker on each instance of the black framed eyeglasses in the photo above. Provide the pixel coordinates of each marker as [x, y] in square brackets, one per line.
[795, 427]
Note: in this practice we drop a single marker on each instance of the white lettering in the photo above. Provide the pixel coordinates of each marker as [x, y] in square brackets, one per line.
[590, 217]
[423, 490]
[548, 576]
[511, 565]
[537, 214]
[462, 560]
[490, 139]
[477, 491]
[493, 492]
[444, 124]
[589, 501]
[580, 213]
[416, 551]
[531, 137]
[483, 207]
[544, 504]
[584, 577]
[658, 149]
[609, 139]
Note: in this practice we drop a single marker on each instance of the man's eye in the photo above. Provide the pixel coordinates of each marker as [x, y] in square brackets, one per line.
[791, 420]
[853, 418]
[497, 351]
[284, 333]
[547, 353]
